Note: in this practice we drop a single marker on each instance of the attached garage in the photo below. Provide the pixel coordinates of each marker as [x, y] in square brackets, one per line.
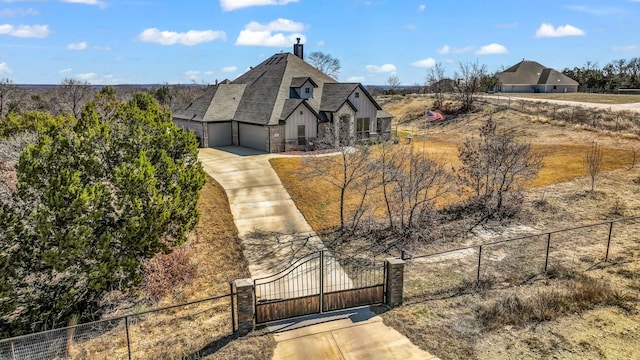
[253, 136]
[219, 134]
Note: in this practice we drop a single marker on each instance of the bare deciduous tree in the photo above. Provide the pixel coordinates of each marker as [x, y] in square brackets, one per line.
[495, 165]
[393, 82]
[469, 83]
[7, 90]
[325, 63]
[73, 94]
[411, 184]
[435, 77]
[593, 162]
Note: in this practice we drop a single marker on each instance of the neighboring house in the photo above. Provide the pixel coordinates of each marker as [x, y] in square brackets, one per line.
[283, 104]
[532, 77]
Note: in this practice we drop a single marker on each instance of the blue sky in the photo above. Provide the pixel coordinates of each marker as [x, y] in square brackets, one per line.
[144, 41]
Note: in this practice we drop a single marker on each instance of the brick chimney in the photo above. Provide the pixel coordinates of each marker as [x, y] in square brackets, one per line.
[298, 49]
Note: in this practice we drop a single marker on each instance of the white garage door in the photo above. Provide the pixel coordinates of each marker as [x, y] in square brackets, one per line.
[219, 134]
[253, 136]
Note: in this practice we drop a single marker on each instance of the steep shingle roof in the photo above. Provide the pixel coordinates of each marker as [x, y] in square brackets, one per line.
[335, 95]
[262, 95]
[218, 103]
[268, 87]
[297, 82]
[533, 73]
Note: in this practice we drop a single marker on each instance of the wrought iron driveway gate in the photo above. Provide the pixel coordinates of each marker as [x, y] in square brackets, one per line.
[317, 283]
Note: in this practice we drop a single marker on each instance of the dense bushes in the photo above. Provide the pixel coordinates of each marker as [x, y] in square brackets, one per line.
[93, 200]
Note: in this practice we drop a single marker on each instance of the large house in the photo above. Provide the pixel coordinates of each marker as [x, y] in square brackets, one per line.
[283, 104]
[532, 77]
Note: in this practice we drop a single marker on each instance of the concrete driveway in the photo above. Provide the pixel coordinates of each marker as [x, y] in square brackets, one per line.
[273, 231]
[348, 334]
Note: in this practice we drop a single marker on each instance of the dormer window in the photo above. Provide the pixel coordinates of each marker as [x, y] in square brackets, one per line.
[302, 88]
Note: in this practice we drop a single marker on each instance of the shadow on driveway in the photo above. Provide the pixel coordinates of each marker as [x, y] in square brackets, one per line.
[239, 150]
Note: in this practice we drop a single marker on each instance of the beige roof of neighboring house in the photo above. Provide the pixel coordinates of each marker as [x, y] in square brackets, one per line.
[533, 73]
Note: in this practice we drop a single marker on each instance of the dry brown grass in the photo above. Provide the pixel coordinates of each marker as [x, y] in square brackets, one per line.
[590, 314]
[563, 161]
[586, 97]
[196, 330]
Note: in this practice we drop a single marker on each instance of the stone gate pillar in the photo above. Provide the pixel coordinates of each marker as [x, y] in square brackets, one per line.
[245, 306]
[395, 281]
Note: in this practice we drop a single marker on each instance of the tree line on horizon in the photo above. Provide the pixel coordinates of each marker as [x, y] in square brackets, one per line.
[618, 74]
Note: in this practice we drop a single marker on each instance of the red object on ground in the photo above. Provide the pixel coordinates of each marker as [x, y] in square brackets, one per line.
[434, 116]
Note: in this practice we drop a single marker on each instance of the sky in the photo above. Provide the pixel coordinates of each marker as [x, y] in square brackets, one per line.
[178, 42]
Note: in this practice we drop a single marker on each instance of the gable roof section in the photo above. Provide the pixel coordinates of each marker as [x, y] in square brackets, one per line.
[268, 88]
[290, 105]
[198, 107]
[297, 82]
[533, 73]
[218, 103]
[336, 94]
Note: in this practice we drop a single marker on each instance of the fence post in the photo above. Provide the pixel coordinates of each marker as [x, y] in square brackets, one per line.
[546, 259]
[126, 327]
[233, 313]
[479, 260]
[573, 110]
[395, 281]
[321, 281]
[245, 291]
[554, 111]
[606, 256]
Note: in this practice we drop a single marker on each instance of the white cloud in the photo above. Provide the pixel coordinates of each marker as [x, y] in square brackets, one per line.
[492, 49]
[447, 49]
[102, 48]
[229, 69]
[25, 31]
[547, 30]
[271, 34]
[627, 48]
[100, 4]
[192, 74]
[356, 79]
[64, 71]
[320, 43]
[386, 68]
[77, 46]
[86, 76]
[208, 72]
[189, 38]
[595, 10]
[421, 7]
[276, 25]
[424, 63]
[229, 5]
[18, 12]
[5, 69]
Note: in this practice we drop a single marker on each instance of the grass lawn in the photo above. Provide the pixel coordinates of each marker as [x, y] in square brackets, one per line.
[583, 97]
[319, 202]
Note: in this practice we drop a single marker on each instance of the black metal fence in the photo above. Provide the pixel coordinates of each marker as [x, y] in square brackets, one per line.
[179, 331]
[599, 118]
[517, 260]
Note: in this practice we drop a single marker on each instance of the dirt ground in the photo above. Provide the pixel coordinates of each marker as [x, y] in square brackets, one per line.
[441, 304]
[448, 327]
